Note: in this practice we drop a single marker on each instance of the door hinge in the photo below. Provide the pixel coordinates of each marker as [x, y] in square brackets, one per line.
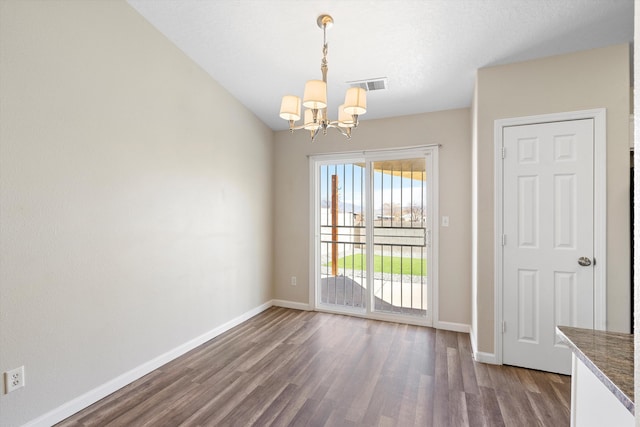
[504, 152]
[504, 239]
[504, 326]
[594, 262]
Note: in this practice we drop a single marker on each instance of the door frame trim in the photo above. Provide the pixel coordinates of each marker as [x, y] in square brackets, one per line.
[431, 154]
[599, 117]
[314, 225]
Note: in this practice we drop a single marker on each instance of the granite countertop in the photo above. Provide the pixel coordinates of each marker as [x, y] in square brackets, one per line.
[609, 355]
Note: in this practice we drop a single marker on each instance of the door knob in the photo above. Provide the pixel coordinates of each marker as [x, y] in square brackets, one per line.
[584, 261]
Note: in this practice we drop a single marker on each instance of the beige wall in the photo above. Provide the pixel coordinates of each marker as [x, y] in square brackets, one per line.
[135, 200]
[596, 78]
[292, 215]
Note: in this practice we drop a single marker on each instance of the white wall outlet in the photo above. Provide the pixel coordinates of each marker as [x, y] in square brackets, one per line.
[294, 281]
[445, 221]
[13, 379]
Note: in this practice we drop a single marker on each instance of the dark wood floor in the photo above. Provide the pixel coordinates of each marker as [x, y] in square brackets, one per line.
[288, 367]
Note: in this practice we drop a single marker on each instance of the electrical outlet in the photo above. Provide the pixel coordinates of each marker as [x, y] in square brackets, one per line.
[294, 281]
[14, 379]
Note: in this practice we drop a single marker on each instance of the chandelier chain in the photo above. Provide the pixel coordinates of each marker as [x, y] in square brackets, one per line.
[325, 49]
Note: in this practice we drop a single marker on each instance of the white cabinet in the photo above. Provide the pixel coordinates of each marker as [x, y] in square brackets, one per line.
[592, 403]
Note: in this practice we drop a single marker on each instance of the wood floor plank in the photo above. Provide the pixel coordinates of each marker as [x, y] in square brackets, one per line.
[454, 370]
[277, 405]
[410, 397]
[441, 414]
[338, 418]
[287, 368]
[562, 391]
[148, 407]
[475, 410]
[458, 412]
[516, 408]
[491, 407]
[303, 415]
[526, 378]
[467, 365]
[289, 412]
[322, 413]
[482, 375]
[424, 412]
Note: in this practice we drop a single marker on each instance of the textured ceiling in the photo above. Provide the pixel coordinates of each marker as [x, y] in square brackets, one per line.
[429, 50]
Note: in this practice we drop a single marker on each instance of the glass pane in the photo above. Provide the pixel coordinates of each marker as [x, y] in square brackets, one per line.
[400, 237]
[342, 236]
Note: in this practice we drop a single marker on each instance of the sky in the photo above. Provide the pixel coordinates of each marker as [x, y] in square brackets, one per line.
[386, 188]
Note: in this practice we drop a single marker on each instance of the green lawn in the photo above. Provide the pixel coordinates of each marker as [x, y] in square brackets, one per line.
[414, 266]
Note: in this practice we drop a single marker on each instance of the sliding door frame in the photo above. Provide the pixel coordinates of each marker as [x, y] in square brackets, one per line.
[315, 163]
[430, 154]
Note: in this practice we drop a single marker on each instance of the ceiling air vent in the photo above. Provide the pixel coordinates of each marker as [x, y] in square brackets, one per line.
[369, 85]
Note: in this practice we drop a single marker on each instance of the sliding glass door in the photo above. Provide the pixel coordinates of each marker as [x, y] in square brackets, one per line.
[342, 228]
[373, 233]
[400, 235]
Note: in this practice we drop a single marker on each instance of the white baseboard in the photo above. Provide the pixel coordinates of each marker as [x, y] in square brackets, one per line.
[452, 326]
[474, 343]
[291, 304]
[480, 356]
[89, 398]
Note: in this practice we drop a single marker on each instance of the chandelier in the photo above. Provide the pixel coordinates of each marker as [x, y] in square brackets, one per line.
[315, 100]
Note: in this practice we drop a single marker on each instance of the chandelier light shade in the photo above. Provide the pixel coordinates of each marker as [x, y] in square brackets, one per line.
[355, 101]
[315, 100]
[315, 94]
[290, 107]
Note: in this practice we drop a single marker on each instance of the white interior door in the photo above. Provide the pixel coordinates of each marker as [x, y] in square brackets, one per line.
[548, 226]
